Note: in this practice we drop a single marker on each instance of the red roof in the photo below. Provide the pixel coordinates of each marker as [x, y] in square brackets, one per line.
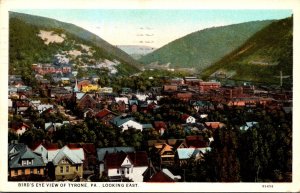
[196, 141]
[139, 158]
[87, 147]
[83, 83]
[103, 113]
[160, 124]
[184, 117]
[160, 177]
[17, 126]
[114, 160]
[51, 146]
[214, 125]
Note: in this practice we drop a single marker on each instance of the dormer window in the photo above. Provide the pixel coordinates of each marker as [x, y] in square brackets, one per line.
[27, 162]
[24, 162]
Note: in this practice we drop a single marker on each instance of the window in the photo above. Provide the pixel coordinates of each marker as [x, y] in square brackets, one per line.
[123, 171]
[127, 170]
[67, 168]
[29, 162]
[118, 171]
[24, 162]
[31, 171]
[77, 168]
[16, 172]
[61, 169]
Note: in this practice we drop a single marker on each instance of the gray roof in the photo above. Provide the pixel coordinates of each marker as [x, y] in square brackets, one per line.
[185, 153]
[120, 120]
[15, 159]
[147, 126]
[71, 155]
[102, 151]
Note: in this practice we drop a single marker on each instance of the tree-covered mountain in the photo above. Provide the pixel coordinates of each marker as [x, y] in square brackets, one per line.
[205, 47]
[262, 57]
[26, 45]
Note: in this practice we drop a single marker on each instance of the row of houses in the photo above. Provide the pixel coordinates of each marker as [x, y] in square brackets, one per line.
[73, 161]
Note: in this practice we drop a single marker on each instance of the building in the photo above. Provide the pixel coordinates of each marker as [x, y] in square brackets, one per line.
[125, 123]
[207, 86]
[120, 166]
[23, 161]
[68, 163]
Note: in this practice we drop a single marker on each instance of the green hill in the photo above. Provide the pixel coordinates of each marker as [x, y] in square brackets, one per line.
[262, 57]
[26, 47]
[203, 48]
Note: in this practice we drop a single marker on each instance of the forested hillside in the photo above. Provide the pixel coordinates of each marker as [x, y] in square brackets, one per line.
[262, 57]
[203, 48]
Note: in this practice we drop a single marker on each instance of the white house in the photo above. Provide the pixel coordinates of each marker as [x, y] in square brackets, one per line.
[43, 107]
[188, 119]
[141, 97]
[126, 122]
[124, 99]
[121, 165]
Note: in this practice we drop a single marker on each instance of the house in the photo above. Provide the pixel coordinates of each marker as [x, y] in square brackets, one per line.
[165, 153]
[19, 128]
[124, 99]
[101, 152]
[164, 176]
[126, 90]
[170, 88]
[183, 155]
[88, 113]
[65, 80]
[20, 106]
[121, 165]
[206, 86]
[184, 96]
[90, 88]
[87, 102]
[141, 97]
[106, 90]
[188, 119]
[51, 127]
[90, 158]
[23, 161]
[125, 122]
[214, 125]
[203, 105]
[82, 84]
[196, 141]
[43, 107]
[248, 125]
[105, 116]
[160, 127]
[147, 126]
[68, 163]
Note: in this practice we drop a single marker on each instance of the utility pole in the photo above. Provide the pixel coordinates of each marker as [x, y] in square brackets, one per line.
[281, 78]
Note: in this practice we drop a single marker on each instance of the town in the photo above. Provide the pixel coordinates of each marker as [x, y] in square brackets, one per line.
[149, 127]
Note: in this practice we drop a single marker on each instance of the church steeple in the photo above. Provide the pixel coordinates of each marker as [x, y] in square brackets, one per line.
[76, 86]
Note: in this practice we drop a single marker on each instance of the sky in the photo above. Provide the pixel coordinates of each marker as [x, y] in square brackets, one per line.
[152, 27]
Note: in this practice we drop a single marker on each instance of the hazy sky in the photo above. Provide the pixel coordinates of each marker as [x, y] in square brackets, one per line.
[152, 27]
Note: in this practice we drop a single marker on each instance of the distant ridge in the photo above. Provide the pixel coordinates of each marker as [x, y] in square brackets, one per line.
[205, 47]
[262, 57]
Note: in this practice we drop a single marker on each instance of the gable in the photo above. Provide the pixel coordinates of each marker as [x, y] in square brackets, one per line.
[127, 162]
[65, 160]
